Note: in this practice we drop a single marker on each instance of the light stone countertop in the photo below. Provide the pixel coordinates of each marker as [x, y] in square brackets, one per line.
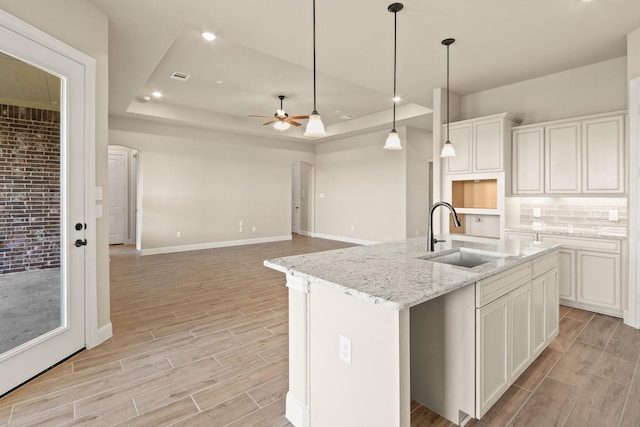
[576, 232]
[393, 275]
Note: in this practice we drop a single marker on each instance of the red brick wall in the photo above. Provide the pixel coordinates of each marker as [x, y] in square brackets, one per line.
[29, 189]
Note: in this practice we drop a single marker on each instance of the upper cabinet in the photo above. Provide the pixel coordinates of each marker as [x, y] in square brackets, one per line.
[481, 144]
[570, 157]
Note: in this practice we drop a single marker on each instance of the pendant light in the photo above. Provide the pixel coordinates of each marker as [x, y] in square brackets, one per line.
[315, 127]
[447, 148]
[393, 140]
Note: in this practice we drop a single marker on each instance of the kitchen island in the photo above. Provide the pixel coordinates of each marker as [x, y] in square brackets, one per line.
[373, 327]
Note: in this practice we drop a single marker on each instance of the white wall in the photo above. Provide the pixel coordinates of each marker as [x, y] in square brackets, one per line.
[633, 54]
[306, 198]
[80, 25]
[202, 183]
[592, 89]
[364, 188]
[419, 146]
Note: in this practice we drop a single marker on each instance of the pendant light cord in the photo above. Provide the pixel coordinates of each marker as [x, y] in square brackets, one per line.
[447, 92]
[395, 44]
[314, 57]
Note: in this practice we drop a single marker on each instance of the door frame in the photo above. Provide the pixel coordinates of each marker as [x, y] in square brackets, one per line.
[93, 336]
[632, 314]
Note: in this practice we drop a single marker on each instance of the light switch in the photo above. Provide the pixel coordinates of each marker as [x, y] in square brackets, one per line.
[536, 212]
[613, 215]
[98, 193]
[98, 211]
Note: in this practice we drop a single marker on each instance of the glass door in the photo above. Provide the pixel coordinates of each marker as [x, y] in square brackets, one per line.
[41, 208]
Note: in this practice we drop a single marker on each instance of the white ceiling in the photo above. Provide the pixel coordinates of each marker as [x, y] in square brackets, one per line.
[264, 49]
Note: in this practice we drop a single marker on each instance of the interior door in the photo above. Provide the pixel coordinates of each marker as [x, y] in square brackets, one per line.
[295, 198]
[118, 166]
[43, 240]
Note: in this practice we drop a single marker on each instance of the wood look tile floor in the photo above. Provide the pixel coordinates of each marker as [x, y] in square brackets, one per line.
[200, 339]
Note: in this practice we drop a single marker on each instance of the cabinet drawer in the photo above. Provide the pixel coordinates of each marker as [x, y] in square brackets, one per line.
[602, 245]
[502, 283]
[543, 264]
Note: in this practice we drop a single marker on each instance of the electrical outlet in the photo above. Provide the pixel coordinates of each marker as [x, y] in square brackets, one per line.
[253, 228]
[613, 215]
[417, 232]
[178, 234]
[536, 213]
[322, 195]
[240, 223]
[345, 350]
[240, 229]
[353, 228]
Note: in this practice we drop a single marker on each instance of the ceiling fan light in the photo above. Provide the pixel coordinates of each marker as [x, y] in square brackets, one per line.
[393, 141]
[315, 127]
[448, 150]
[280, 113]
[281, 125]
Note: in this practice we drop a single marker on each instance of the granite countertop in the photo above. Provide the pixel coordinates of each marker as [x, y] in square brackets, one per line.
[576, 232]
[394, 275]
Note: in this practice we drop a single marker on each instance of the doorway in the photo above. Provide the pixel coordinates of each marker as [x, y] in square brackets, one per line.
[302, 198]
[121, 203]
[46, 140]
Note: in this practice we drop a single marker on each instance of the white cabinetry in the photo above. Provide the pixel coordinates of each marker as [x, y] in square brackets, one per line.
[492, 371]
[514, 319]
[578, 156]
[481, 144]
[562, 158]
[603, 158]
[590, 273]
[528, 160]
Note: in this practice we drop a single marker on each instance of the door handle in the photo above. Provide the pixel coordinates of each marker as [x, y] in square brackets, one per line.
[80, 242]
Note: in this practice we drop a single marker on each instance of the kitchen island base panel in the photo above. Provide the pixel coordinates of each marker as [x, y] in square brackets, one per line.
[374, 389]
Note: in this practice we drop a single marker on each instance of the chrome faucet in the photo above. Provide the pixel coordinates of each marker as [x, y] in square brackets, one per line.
[456, 221]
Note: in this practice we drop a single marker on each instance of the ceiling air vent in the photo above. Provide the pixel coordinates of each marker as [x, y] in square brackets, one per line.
[180, 76]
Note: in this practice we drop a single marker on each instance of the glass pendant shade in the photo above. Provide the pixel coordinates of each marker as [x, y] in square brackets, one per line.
[447, 150]
[315, 127]
[281, 125]
[393, 141]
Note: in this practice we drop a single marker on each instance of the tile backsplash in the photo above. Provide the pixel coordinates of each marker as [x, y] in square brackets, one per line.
[568, 213]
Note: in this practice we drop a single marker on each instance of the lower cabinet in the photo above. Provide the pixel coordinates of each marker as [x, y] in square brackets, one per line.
[512, 330]
[493, 342]
[590, 273]
[470, 345]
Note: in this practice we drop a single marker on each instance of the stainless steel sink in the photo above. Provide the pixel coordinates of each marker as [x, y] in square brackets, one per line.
[465, 258]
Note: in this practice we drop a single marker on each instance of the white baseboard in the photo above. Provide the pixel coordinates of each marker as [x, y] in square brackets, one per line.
[296, 413]
[213, 245]
[305, 233]
[344, 239]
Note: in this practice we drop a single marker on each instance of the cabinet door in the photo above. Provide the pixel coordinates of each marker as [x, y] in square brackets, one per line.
[538, 316]
[567, 274]
[528, 161]
[551, 305]
[487, 146]
[492, 350]
[460, 137]
[599, 280]
[603, 155]
[519, 330]
[562, 150]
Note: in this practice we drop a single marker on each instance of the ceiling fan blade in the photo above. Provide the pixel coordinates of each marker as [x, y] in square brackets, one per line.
[299, 117]
[293, 122]
[269, 122]
[264, 117]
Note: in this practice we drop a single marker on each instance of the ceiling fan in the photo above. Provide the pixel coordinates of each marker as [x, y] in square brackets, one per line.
[281, 119]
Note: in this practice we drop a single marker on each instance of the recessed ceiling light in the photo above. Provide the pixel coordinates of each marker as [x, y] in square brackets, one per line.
[146, 98]
[208, 36]
[157, 94]
[346, 117]
[396, 99]
[219, 82]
